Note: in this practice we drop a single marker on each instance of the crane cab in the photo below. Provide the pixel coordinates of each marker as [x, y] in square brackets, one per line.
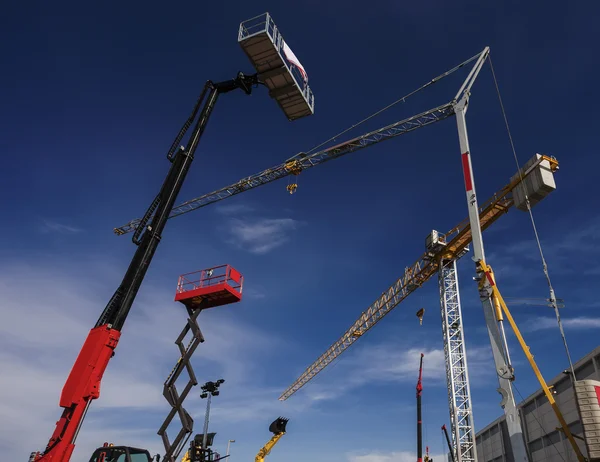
[109, 453]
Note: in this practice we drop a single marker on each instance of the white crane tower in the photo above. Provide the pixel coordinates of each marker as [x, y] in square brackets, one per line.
[440, 257]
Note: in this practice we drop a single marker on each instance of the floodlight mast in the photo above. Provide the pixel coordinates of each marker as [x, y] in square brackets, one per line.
[494, 323]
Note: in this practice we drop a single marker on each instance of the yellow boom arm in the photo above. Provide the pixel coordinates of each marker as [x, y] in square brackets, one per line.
[501, 308]
[266, 449]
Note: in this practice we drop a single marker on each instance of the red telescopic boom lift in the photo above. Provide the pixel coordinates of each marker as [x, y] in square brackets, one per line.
[263, 44]
[83, 384]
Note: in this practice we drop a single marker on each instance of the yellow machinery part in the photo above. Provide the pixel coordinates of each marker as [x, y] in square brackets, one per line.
[496, 294]
[266, 449]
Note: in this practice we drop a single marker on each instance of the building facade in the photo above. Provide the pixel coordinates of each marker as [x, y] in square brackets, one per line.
[543, 440]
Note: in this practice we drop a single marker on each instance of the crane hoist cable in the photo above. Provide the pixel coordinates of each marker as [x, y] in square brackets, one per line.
[552, 299]
[301, 161]
[402, 99]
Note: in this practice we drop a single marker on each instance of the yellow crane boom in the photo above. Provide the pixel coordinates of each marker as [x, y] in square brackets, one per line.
[457, 240]
[277, 427]
[501, 311]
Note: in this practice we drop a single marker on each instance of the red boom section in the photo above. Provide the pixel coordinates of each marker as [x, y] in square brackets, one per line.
[82, 386]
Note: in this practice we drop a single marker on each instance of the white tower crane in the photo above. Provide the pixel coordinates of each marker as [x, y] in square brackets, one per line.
[442, 253]
[495, 327]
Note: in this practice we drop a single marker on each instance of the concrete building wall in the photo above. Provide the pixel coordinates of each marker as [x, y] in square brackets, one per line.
[539, 422]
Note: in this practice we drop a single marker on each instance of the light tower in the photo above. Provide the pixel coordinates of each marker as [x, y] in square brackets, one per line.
[209, 389]
[228, 445]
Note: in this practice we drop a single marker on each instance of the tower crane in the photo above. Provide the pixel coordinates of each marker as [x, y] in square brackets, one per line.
[302, 161]
[439, 258]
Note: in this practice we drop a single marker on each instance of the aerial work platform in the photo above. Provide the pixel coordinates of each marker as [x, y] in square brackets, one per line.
[211, 287]
[277, 66]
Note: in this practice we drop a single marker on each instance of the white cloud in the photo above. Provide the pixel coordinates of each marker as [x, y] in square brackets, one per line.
[54, 227]
[547, 322]
[234, 209]
[392, 362]
[260, 236]
[397, 456]
[254, 293]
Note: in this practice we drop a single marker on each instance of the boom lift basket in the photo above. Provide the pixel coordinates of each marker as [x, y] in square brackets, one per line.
[277, 66]
[210, 287]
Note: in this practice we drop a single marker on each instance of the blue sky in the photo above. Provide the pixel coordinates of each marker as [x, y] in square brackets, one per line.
[92, 98]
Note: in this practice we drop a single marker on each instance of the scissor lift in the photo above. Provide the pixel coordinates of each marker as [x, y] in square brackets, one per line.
[277, 66]
[199, 290]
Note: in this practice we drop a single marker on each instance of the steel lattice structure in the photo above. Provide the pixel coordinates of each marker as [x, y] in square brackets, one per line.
[457, 240]
[457, 375]
[301, 162]
[175, 400]
[454, 247]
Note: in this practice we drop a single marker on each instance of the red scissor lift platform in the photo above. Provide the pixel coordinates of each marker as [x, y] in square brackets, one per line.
[210, 287]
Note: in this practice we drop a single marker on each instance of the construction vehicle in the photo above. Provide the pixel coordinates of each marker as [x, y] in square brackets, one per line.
[445, 430]
[277, 68]
[200, 451]
[419, 417]
[197, 291]
[427, 458]
[277, 427]
[111, 453]
[441, 256]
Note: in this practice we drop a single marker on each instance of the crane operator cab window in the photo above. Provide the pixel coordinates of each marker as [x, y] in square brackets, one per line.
[120, 454]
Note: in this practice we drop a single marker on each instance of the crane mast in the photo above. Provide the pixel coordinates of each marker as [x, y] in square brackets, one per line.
[494, 326]
[455, 241]
[457, 371]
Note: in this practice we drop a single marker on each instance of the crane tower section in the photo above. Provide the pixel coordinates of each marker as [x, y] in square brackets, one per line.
[277, 66]
[457, 375]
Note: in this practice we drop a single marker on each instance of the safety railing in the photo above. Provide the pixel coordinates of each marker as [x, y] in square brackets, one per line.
[211, 277]
[264, 24]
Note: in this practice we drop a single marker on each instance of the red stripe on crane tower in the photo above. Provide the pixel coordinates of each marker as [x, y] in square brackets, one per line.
[467, 171]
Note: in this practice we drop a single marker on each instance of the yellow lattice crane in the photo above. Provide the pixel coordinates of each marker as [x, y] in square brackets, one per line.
[442, 252]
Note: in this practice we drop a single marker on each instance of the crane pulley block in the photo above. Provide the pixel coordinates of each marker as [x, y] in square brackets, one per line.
[294, 167]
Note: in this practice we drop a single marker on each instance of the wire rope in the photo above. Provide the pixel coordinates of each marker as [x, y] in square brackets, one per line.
[402, 99]
[535, 231]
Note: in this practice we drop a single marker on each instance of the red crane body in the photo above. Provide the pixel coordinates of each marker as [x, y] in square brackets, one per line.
[419, 421]
[82, 386]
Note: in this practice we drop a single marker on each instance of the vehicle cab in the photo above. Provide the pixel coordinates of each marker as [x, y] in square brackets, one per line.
[110, 453]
